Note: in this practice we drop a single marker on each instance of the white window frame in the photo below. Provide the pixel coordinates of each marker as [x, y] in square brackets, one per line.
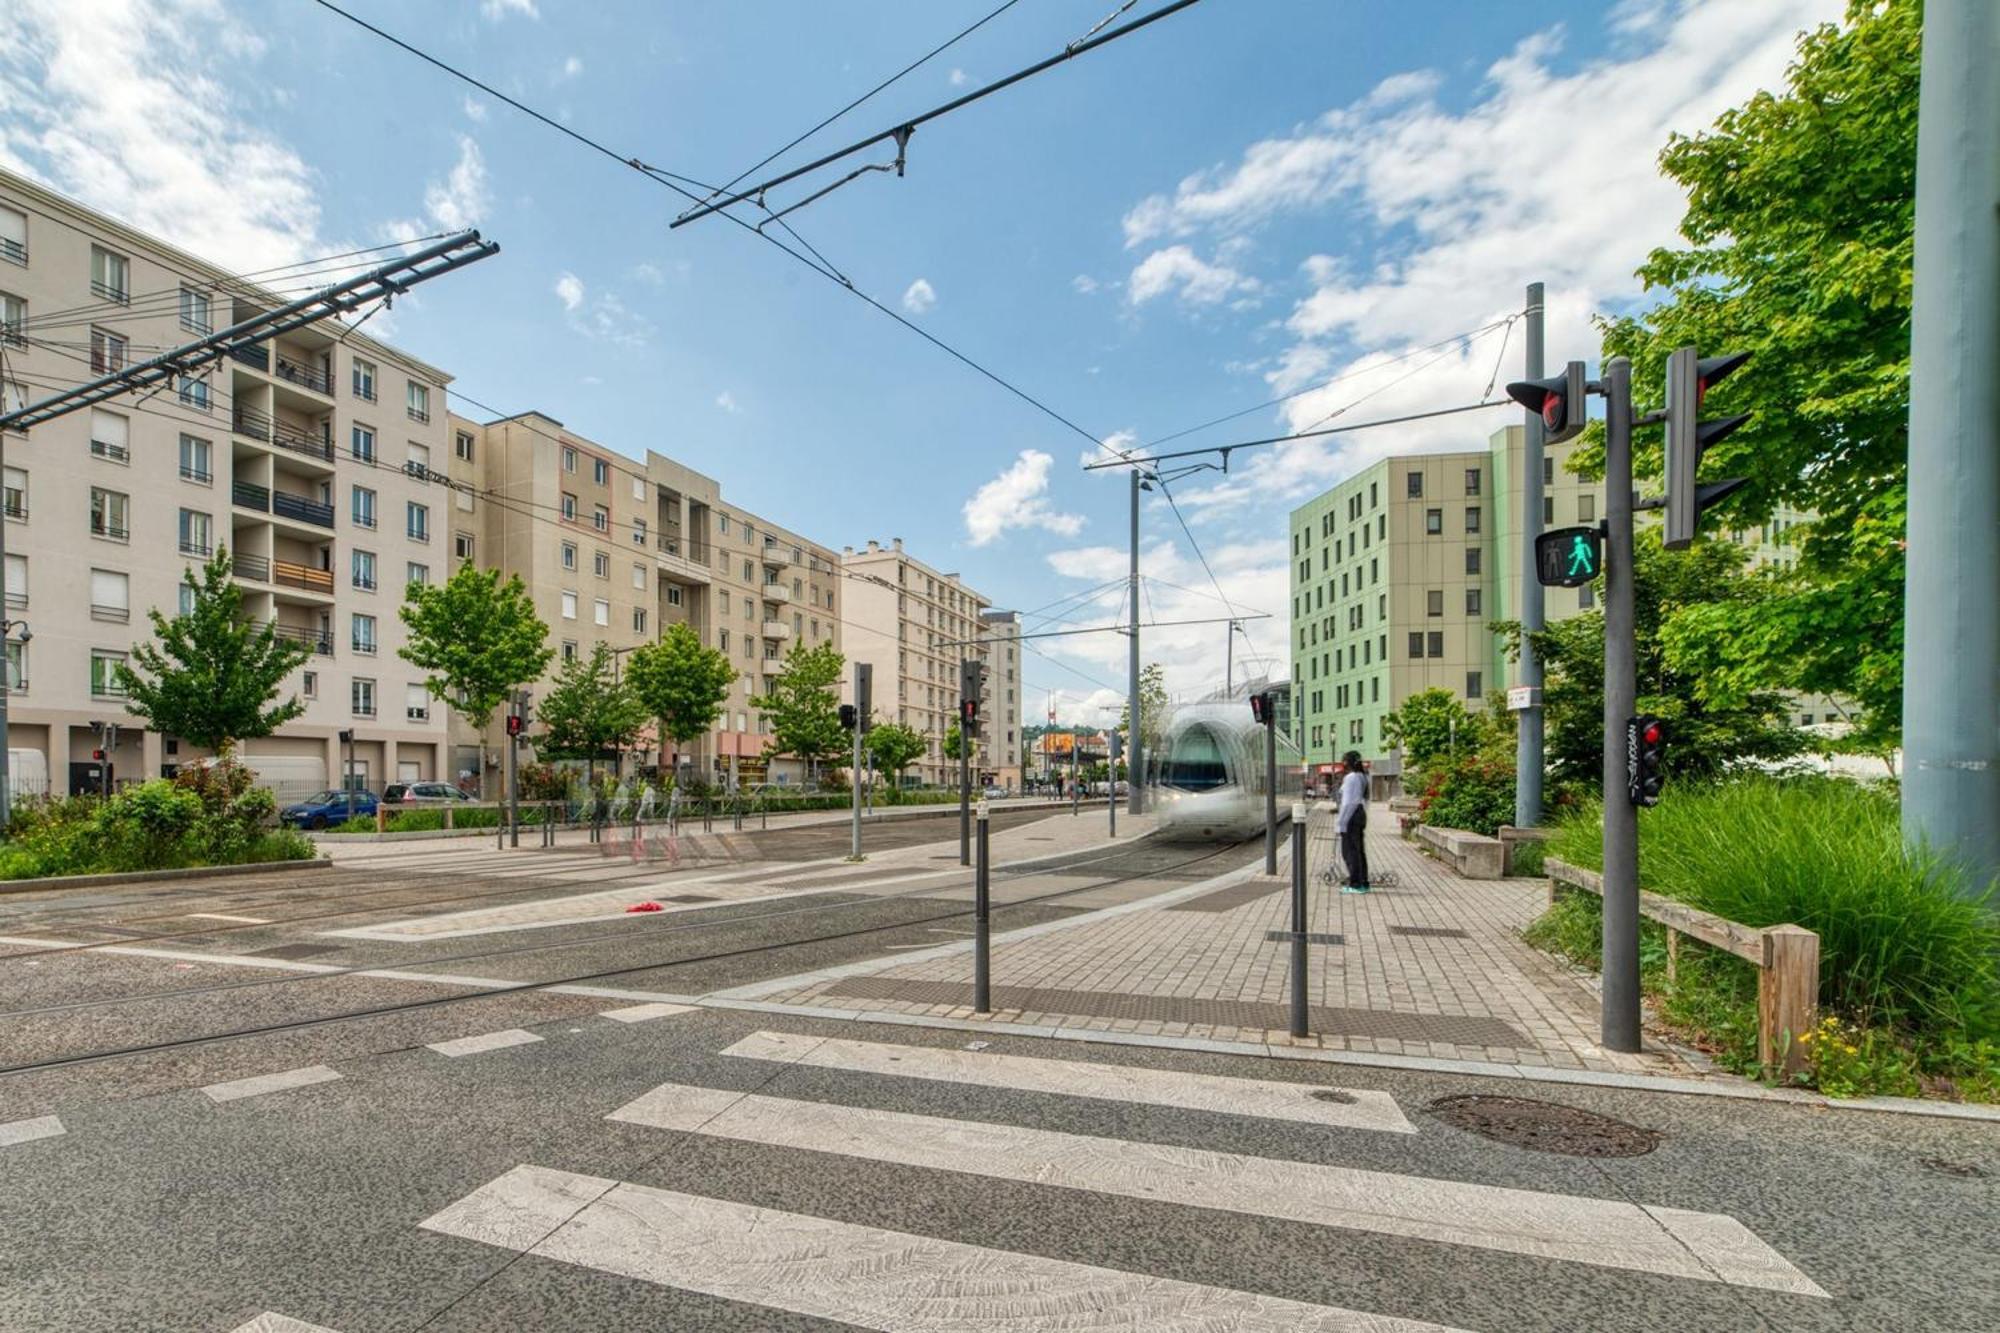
[362, 379]
[197, 463]
[362, 515]
[416, 521]
[360, 689]
[568, 604]
[600, 610]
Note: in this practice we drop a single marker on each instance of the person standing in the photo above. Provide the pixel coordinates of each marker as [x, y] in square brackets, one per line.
[1352, 822]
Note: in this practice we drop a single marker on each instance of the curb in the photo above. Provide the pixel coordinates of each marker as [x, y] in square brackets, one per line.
[154, 876]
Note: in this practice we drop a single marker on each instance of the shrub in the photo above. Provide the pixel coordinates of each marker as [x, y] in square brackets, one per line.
[214, 817]
[1472, 792]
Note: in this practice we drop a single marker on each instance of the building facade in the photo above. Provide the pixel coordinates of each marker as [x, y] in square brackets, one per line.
[1000, 739]
[291, 455]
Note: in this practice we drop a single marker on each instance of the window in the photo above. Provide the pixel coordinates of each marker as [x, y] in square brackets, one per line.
[110, 514]
[569, 650]
[13, 397]
[568, 605]
[673, 595]
[110, 275]
[722, 640]
[104, 664]
[361, 697]
[363, 379]
[1586, 509]
[462, 445]
[13, 235]
[197, 532]
[417, 521]
[461, 546]
[1548, 470]
[1548, 510]
[1472, 557]
[1433, 521]
[110, 435]
[638, 488]
[417, 401]
[638, 620]
[361, 568]
[416, 703]
[1474, 600]
[639, 576]
[600, 472]
[601, 611]
[1434, 602]
[600, 518]
[309, 685]
[107, 351]
[1472, 481]
[13, 319]
[363, 508]
[416, 573]
[1414, 483]
[1416, 643]
[363, 634]
[1473, 685]
[600, 564]
[16, 493]
[17, 580]
[1436, 640]
[569, 555]
[1472, 518]
[639, 531]
[568, 459]
[418, 464]
[192, 391]
[722, 522]
[194, 460]
[110, 595]
[569, 506]
[361, 443]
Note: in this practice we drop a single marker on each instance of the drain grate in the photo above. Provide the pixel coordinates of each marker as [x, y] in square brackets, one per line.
[1429, 932]
[1551, 1127]
[1312, 937]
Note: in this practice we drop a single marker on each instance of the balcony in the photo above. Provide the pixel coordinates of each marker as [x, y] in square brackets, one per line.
[250, 495]
[257, 358]
[303, 376]
[257, 426]
[287, 574]
[117, 614]
[301, 510]
[419, 414]
[777, 629]
[774, 591]
[319, 642]
[257, 568]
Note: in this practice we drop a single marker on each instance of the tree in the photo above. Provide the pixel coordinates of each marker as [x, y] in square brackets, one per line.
[478, 639]
[804, 707]
[1431, 723]
[1800, 230]
[680, 682]
[1711, 723]
[212, 676]
[588, 712]
[954, 742]
[894, 747]
[1152, 708]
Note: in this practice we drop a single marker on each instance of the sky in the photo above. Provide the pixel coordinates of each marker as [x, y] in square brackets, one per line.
[1339, 200]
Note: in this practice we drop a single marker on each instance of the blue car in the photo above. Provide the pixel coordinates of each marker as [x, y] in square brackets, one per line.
[327, 807]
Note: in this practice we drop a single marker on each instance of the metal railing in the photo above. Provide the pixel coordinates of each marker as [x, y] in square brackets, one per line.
[257, 358]
[103, 527]
[202, 550]
[303, 510]
[13, 249]
[366, 647]
[318, 641]
[117, 453]
[15, 508]
[246, 566]
[305, 377]
[248, 421]
[419, 414]
[302, 576]
[200, 474]
[673, 544]
[250, 495]
[104, 291]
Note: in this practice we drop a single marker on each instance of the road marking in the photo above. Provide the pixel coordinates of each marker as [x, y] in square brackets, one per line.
[224, 916]
[1082, 1078]
[237, 1089]
[1605, 1232]
[27, 1131]
[856, 1275]
[485, 1041]
[640, 1013]
[612, 902]
[277, 1323]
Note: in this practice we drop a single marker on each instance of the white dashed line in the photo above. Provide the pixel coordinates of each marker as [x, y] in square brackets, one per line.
[27, 1131]
[237, 1089]
[277, 1323]
[640, 1013]
[486, 1041]
[224, 916]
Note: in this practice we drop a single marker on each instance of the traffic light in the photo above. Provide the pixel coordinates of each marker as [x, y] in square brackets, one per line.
[848, 717]
[1559, 399]
[513, 724]
[1645, 749]
[1689, 378]
[345, 736]
[968, 713]
[971, 681]
[1260, 708]
[1568, 557]
[98, 755]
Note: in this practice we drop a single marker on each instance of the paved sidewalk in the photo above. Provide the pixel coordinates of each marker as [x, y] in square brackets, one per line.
[1430, 967]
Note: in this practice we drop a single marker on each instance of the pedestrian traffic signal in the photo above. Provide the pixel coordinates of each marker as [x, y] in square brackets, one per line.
[968, 713]
[1559, 400]
[513, 724]
[1645, 749]
[1260, 708]
[97, 755]
[848, 717]
[1689, 378]
[1568, 557]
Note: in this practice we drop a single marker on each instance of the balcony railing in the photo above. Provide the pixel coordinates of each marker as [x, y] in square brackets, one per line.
[777, 629]
[15, 506]
[422, 414]
[246, 566]
[117, 453]
[250, 495]
[673, 544]
[192, 473]
[416, 714]
[257, 358]
[13, 249]
[250, 422]
[366, 647]
[304, 376]
[301, 576]
[104, 527]
[319, 642]
[104, 291]
[201, 550]
[106, 688]
[301, 509]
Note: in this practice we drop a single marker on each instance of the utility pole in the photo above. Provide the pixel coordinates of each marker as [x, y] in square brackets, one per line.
[1528, 746]
[864, 680]
[1135, 748]
[1620, 1007]
[1111, 787]
[1229, 663]
[1951, 626]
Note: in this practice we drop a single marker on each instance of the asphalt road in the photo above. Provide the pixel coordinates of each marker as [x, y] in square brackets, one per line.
[908, 1177]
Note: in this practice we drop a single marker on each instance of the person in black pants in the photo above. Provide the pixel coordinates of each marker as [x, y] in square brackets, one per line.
[1352, 821]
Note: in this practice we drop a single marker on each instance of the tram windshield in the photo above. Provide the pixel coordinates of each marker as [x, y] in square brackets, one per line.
[1195, 762]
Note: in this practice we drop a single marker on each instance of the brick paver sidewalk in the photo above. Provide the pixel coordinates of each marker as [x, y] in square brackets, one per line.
[1431, 966]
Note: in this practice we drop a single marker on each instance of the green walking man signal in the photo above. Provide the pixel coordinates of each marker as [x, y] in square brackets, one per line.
[1568, 557]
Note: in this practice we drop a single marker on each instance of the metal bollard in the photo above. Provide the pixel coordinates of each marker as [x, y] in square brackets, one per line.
[1298, 920]
[982, 980]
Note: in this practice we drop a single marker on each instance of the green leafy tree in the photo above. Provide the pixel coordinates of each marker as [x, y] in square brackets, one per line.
[1799, 229]
[588, 712]
[894, 747]
[1431, 723]
[1711, 724]
[681, 682]
[804, 705]
[1152, 707]
[954, 742]
[211, 677]
[478, 638]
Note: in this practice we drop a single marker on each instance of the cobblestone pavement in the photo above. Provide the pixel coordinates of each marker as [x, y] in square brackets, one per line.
[1431, 966]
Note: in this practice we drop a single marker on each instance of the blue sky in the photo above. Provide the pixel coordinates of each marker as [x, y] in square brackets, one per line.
[1247, 199]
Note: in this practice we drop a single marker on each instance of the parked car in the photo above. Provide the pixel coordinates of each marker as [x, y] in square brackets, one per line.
[422, 793]
[328, 807]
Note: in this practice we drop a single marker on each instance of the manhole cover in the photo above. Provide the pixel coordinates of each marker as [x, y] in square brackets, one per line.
[1963, 1170]
[1544, 1126]
[1334, 1095]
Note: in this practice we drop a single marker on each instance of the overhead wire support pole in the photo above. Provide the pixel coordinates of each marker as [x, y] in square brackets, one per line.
[1528, 746]
[1134, 747]
[906, 127]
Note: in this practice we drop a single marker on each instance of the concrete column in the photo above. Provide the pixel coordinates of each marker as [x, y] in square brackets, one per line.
[388, 765]
[59, 757]
[152, 753]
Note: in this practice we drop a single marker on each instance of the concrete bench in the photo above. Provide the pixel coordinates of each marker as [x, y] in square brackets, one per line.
[1472, 855]
[1511, 839]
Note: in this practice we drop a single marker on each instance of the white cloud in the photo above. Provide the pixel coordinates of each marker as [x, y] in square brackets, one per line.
[1017, 498]
[572, 67]
[458, 201]
[727, 402]
[569, 288]
[1085, 284]
[495, 10]
[958, 78]
[649, 273]
[475, 110]
[919, 296]
[1177, 268]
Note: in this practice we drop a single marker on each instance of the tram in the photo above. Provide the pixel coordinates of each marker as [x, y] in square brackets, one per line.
[1207, 775]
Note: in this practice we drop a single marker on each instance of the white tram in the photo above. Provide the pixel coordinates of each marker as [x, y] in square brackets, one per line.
[1207, 775]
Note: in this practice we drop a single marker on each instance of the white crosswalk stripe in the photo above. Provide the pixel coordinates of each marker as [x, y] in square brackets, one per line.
[27, 1131]
[485, 1041]
[858, 1275]
[277, 1323]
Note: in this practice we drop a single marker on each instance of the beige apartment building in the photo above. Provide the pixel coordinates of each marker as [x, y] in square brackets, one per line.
[613, 551]
[292, 454]
[914, 624]
[1002, 654]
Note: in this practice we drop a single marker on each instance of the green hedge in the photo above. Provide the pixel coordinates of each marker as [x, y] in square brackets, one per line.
[208, 816]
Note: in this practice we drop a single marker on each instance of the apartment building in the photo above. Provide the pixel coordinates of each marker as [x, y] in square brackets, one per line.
[304, 457]
[613, 551]
[915, 624]
[1001, 742]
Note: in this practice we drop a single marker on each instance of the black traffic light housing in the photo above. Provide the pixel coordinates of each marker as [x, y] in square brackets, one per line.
[1689, 378]
[968, 714]
[849, 717]
[971, 681]
[514, 724]
[1645, 752]
[97, 755]
[1559, 399]
[1260, 708]
[1568, 557]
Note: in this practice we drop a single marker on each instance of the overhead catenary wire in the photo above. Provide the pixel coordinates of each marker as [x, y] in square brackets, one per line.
[1142, 460]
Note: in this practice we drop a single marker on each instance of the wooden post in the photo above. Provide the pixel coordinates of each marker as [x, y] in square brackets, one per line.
[381, 818]
[1673, 956]
[1787, 997]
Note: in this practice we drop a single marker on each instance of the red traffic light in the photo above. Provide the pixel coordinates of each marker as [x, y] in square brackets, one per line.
[1712, 370]
[969, 709]
[1555, 411]
[97, 754]
[1260, 708]
[513, 724]
[1653, 733]
[1558, 400]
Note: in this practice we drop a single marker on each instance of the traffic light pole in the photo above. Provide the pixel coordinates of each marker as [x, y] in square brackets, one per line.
[1528, 747]
[1270, 787]
[1111, 787]
[1134, 747]
[1620, 1006]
